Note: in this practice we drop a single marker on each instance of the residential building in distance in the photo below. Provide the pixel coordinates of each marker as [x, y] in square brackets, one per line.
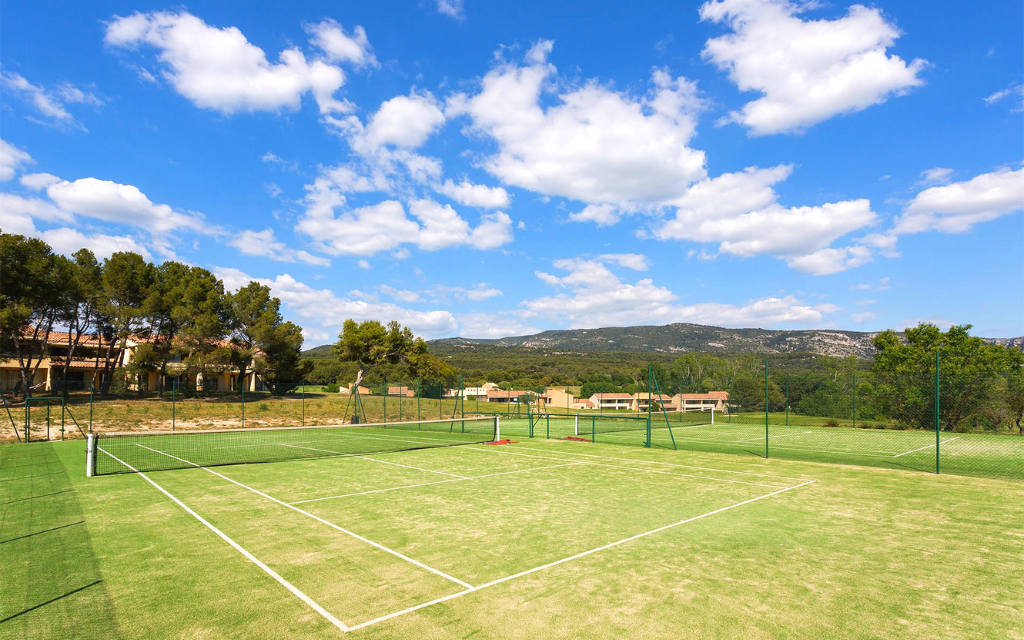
[716, 400]
[612, 401]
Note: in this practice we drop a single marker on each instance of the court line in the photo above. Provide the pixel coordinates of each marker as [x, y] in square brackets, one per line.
[321, 520]
[273, 574]
[923, 448]
[425, 484]
[619, 466]
[785, 435]
[669, 464]
[355, 455]
[573, 557]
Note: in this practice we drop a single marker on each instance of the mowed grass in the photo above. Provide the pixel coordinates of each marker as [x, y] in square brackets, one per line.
[857, 553]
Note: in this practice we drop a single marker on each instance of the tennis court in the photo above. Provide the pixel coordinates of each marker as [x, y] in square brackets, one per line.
[381, 522]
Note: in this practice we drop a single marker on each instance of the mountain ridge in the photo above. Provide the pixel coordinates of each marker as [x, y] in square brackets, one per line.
[695, 338]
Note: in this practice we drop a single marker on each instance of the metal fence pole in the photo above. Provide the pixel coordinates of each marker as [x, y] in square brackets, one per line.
[174, 402]
[854, 399]
[92, 384]
[243, 400]
[937, 425]
[303, 403]
[787, 399]
[766, 408]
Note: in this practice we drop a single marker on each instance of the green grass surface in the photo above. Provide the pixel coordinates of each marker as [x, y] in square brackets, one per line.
[857, 553]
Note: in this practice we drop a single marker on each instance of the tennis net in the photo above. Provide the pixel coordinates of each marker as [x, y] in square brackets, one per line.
[159, 451]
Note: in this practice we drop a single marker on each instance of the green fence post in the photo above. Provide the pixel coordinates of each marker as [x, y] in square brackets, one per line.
[243, 400]
[417, 399]
[766, 408]
[650, 402]
[303, 403]
[47, 420]
[28, 418]
[91, 386]
[62, 416]
[787, 399]
[593, 429]
[937, 425]
[854, 399]
[174, 402]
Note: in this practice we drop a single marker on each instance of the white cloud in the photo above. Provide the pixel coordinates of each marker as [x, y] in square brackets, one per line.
[38, 181]
[363, 264]
[404, 121]
[937, 175]
[594, 145]
[51, 105]
[739, 211]
[597, 298]
[883, 284]
[474, 195]
[339, 46]
[808, 71]
[1015, 90]
[323, 312]
[634, 261]
[939, 321]
[122, 204]
[451, 8]
[11, 160]
[384, 226]
[265, 244]
[33, 208]
[957, 207]
[220, 69]
[402, 295]
[492, 325]
[68, 241]
[476, 293]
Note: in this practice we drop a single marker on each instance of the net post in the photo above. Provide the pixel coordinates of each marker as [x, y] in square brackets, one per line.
[547, 420]
[497, 428]
[92, 386]
[62, 416]
[243, 399]
[303, 403]
[712, 414]
[576, 426]
[385, 398]
[90, 455]
[593, 429]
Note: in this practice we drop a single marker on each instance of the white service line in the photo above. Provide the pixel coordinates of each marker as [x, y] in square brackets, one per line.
[619, 466]
[356, 455]
[425, 484]
[321, 520]
[923, 448]
[668, 464]
[785, 435]
[573, 557]
[273, 574]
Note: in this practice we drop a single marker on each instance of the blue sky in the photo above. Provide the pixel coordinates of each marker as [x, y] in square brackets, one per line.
[489, 169]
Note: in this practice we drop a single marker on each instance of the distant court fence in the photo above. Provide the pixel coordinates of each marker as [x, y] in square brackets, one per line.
[814, 413]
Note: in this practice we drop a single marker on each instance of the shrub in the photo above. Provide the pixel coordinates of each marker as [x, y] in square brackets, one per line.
[331, 388]
[831, 422]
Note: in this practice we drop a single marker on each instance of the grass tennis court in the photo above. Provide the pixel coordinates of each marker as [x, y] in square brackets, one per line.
[542, 538]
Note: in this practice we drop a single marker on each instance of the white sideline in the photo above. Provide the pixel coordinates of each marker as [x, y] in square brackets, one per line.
[321, 520]
[923, 448]
[273, 574]
[425, 484]
[354, 455]
[574, 557]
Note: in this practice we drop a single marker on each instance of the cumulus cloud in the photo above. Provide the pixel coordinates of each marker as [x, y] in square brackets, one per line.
[368, 230]
[594, 144]
[474, 195]
[740, 212]
[12, 159]
[122, 204]
[68, 241]
[323, 312]
[265, 244]
[50, 104]
[957, 207]
[634, 261]
[595, 297]
[38, 181]
[220, 69]
[493, 325]
[936, 175]
[404, 121]
[339, 46]
[807, 70]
